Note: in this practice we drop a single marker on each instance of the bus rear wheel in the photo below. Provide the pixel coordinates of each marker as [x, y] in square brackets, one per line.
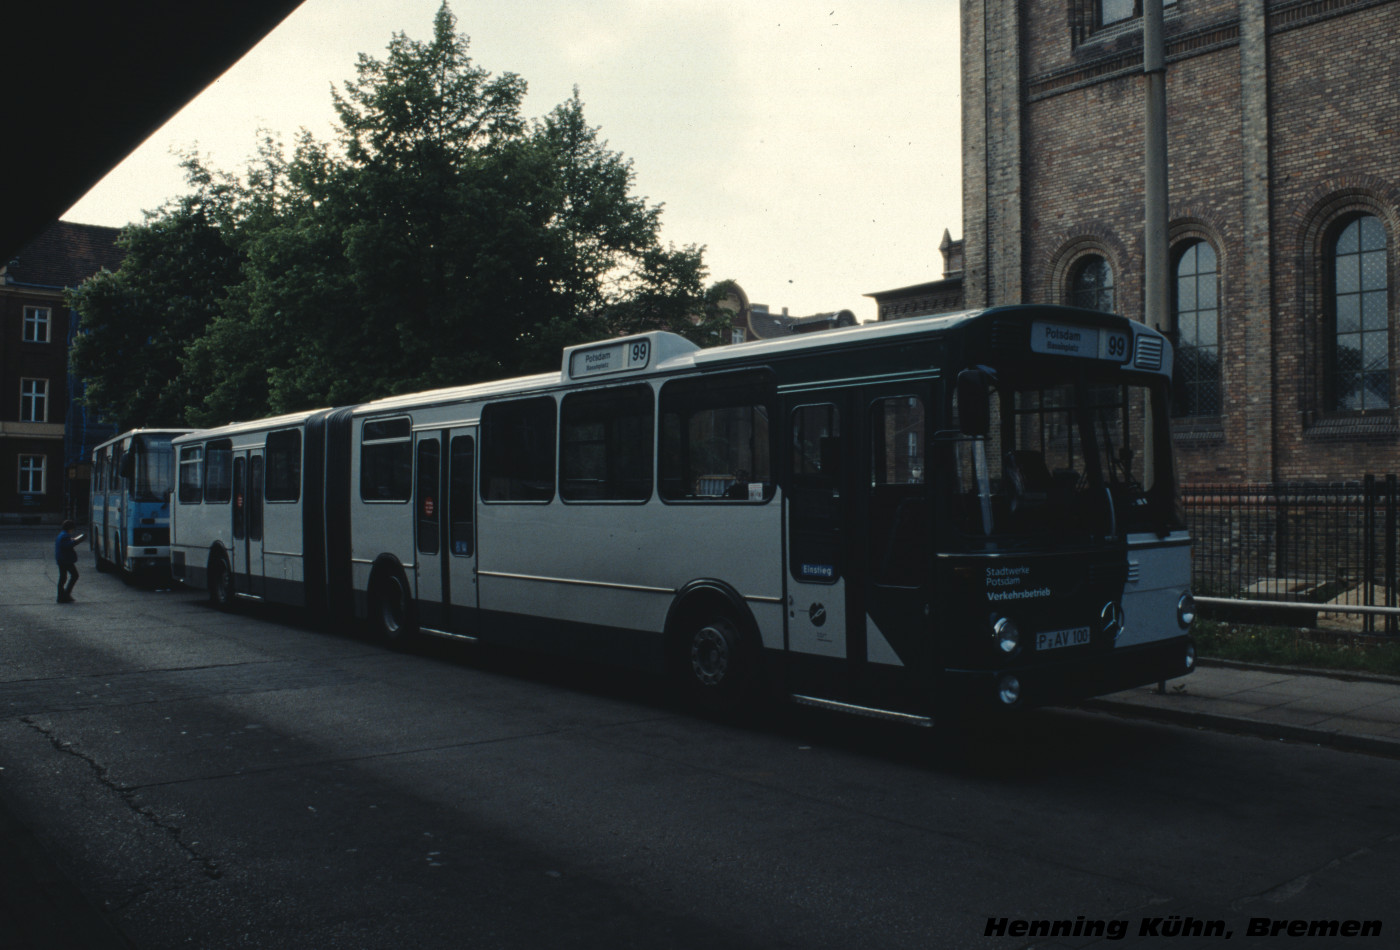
[220, 584]
[391, 610]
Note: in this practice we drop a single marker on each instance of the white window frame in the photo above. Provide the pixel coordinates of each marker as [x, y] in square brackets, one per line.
[28, 469]
[40, 321]
[38, 399]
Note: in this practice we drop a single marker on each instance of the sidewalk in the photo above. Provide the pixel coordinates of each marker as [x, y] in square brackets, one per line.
[1358, 712]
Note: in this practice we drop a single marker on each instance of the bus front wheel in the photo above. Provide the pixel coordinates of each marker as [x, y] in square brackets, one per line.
[391, 609]
[714, 663]
[122, 568]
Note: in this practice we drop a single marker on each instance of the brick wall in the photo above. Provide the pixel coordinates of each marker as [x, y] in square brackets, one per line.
[1335, 147]
[1281, 115]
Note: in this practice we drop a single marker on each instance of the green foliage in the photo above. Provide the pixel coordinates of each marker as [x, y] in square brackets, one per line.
[137, 321]
[444, 240]
[1296, 646]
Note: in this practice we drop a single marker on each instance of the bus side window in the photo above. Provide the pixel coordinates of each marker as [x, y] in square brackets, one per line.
[386, 460]
[191, 475]
[716, 441]
[517, 450]
[218, 472]
[284, 465]
[606, 444]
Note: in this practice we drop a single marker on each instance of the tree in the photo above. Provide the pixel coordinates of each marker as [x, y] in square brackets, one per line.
[616, 276]
[442, 240]
[137, 321]
[427, 103]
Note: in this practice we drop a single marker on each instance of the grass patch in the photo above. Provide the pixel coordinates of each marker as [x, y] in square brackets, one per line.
[1297, 646]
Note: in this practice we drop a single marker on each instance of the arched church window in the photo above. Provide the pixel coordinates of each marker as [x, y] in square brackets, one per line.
[1196, 318]
[1360, 316]
[1091, 284]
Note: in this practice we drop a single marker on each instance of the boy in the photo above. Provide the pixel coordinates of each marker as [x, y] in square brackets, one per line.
[65, 552]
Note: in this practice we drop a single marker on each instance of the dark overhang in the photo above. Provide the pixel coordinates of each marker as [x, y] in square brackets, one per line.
[86, 83]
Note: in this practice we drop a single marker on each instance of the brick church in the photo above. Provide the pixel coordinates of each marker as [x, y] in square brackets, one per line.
[1283, 130]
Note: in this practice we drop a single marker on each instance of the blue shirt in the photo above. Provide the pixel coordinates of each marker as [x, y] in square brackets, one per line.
[65, 549]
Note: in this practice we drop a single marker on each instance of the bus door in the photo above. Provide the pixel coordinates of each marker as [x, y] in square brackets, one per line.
[821, 613]
[248, 523]
[895, 512]
[445, 531]
[859, 542]
[116, 506]
[102, 523]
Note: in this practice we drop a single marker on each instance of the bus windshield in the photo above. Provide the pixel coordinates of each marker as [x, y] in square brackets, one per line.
[153, 468]
[1065, 461]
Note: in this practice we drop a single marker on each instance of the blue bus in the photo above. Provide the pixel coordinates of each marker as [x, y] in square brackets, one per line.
[132, 477]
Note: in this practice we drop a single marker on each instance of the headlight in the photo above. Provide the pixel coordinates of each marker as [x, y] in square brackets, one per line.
[1009, 690]
[1007, 634]
[1186, 610]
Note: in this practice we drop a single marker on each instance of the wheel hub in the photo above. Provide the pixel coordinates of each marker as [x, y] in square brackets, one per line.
[709, 656]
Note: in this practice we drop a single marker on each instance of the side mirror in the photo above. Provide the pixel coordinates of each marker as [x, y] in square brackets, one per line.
[128, 469]
[974, 402]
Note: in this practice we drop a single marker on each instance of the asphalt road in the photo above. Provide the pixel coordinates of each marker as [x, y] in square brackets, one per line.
[247, 780]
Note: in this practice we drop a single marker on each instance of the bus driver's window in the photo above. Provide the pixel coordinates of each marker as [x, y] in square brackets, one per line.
[716, 441]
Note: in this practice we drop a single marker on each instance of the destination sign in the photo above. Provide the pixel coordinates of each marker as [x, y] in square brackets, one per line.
[623, 357]
[1063, 339]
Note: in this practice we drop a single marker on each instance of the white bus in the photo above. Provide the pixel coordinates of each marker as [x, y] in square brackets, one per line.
[132, 475]
[890, 519]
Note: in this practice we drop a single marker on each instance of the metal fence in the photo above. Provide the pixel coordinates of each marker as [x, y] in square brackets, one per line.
[1329, 545]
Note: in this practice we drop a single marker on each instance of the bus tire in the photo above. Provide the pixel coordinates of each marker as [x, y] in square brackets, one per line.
[220, 583]
[391, 617]
[715, 663]
[122, 570]
[99, 565]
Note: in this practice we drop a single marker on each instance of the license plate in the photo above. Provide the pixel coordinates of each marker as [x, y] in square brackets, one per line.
[1054, 639]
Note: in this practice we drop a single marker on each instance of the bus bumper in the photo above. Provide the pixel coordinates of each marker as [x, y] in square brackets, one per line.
[150, 562]
[1073, 678]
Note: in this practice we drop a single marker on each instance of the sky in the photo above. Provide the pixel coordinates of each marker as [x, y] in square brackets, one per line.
[812, 148]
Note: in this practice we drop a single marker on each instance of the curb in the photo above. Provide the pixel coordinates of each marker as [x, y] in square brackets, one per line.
[1350, 676]
[1240, 725]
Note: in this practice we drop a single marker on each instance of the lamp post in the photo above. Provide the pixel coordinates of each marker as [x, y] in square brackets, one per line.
[1154, 243]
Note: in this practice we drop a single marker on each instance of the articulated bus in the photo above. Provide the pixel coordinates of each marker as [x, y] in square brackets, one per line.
[894, 519]
[132, 477]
